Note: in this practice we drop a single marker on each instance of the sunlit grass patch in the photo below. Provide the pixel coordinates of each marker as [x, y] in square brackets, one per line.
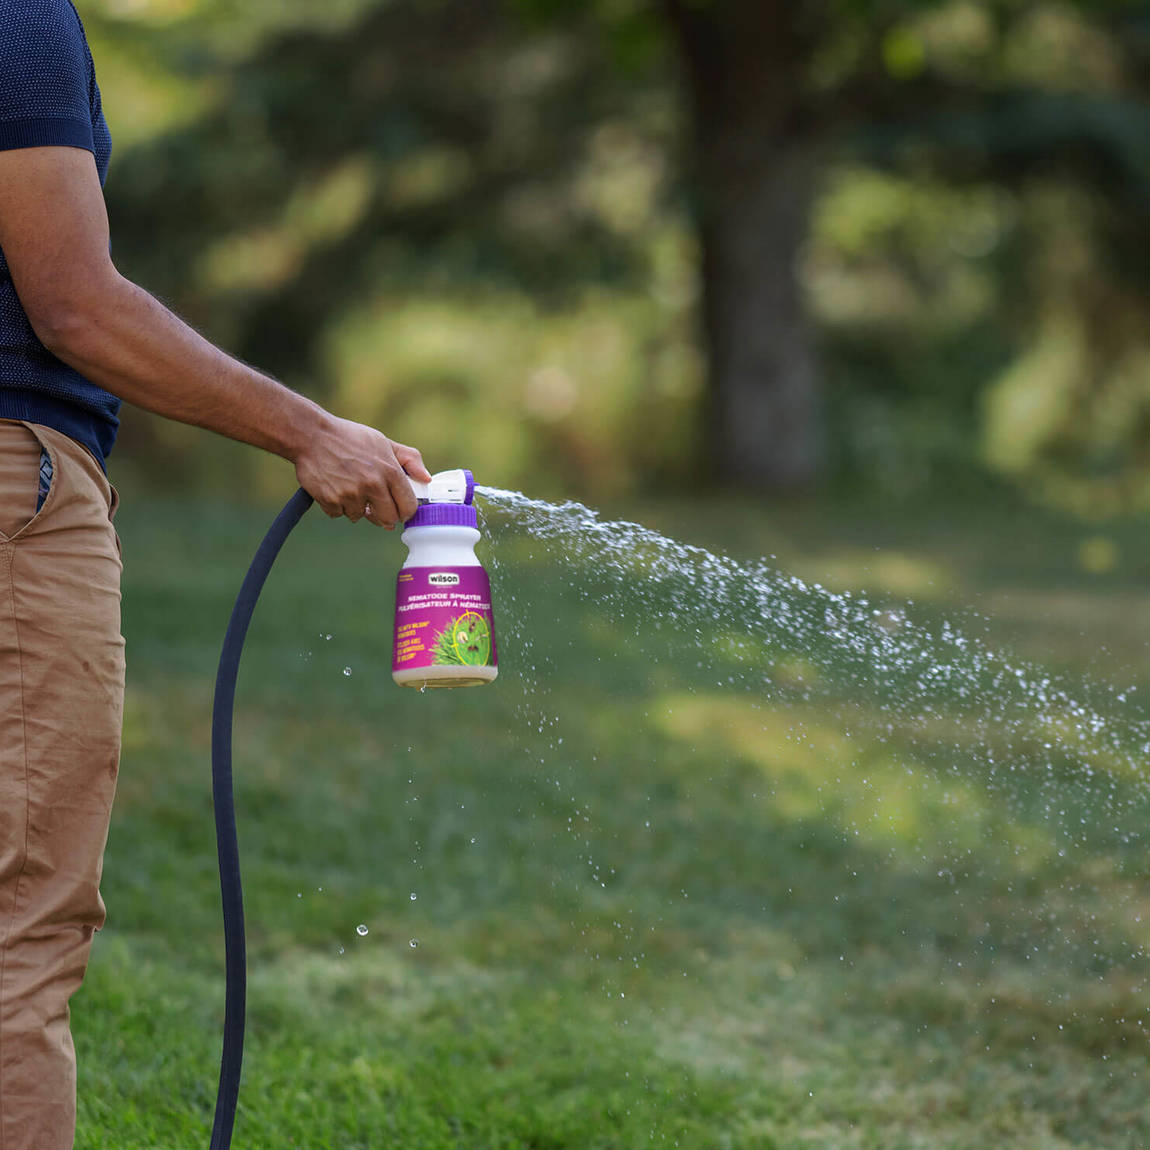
[815, 765]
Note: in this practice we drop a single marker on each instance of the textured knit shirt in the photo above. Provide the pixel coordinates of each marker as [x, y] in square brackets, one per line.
[49, 97]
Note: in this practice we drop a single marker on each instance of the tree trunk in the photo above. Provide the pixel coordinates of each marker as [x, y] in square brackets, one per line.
[752, 174]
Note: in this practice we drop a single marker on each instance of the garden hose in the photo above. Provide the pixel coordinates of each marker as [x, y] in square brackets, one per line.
[223, 800]
[445, 499]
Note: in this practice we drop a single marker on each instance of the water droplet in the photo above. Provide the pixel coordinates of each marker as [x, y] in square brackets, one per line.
[474, 840]
[347, 670]
[323, 636]
[361, 930]
[299, 894]
[413, 943]
[414, 896]
[341, 950]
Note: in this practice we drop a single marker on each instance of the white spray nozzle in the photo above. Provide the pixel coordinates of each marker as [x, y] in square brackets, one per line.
[456, 486]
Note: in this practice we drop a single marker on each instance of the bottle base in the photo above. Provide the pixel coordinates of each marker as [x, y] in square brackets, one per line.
[449, 676]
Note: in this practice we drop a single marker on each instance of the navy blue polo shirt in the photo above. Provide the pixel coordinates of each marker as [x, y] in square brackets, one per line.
[49, 97]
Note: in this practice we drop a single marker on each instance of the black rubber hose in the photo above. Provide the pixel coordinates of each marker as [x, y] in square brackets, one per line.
[223, 798]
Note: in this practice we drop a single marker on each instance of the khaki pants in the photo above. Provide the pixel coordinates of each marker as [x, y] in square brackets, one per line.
[61, 704]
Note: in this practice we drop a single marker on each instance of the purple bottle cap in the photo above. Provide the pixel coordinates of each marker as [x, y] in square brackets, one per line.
[444, 515]
[470, 496]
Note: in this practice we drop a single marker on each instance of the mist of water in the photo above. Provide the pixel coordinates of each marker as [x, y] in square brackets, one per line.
[1065, 753]
[911, 669]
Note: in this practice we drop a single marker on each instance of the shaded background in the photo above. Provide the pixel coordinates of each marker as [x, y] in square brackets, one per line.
[599, 247]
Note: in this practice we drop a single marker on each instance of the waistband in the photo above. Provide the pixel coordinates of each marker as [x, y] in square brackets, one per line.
[86, 427]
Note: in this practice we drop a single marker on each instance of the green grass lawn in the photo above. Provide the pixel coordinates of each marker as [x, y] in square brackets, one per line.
[632, 894]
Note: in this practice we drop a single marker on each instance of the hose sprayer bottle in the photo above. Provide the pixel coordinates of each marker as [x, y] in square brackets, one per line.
[444, 629]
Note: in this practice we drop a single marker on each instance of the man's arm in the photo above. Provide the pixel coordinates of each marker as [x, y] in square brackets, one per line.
[54, 234]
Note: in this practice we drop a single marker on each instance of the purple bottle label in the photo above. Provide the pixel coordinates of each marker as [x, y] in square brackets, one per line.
[443, 619]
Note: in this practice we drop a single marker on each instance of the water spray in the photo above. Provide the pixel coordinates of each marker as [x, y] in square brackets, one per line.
[444, 637]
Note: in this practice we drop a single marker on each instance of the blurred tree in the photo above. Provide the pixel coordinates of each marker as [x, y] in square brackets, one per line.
[323, 158]
[437, 148]
[1046, 103]
[995, 91]
[749, 169]
[756, 155]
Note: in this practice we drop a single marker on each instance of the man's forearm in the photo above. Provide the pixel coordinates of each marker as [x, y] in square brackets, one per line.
[127, 342]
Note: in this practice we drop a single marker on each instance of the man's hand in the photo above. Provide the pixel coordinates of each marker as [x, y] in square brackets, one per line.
[354, 470]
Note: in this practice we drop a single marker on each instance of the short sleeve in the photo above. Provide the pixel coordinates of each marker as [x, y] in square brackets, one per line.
[44, 76]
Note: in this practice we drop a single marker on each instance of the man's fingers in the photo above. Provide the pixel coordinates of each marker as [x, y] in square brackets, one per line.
[330, 509]
[381, 510]
[401, 494]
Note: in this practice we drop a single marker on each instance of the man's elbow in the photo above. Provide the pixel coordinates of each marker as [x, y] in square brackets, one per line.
[58, 328]
[67, 323]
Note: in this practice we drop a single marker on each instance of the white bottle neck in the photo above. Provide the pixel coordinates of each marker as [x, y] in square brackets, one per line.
[447, 545]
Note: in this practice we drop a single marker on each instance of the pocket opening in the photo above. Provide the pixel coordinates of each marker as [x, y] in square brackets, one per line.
[47, 474]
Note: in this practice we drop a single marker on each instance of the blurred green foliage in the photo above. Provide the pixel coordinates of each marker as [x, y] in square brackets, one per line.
[469, 223]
